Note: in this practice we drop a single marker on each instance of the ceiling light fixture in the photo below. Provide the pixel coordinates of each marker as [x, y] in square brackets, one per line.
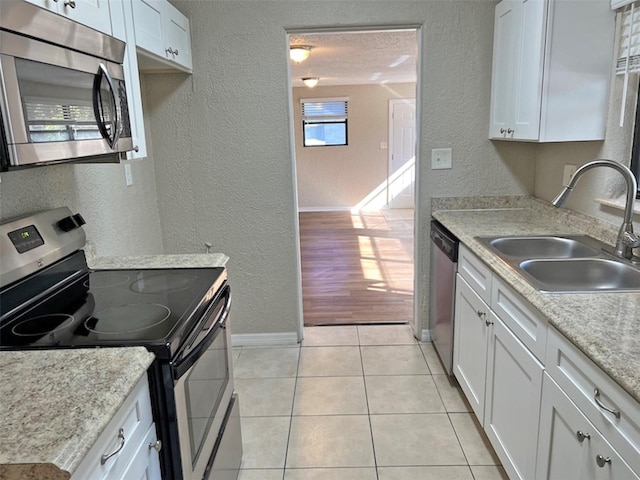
[299, 53]
[310, 81]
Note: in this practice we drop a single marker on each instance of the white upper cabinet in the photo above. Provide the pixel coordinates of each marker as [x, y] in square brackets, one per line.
[162, 36]
[92, 13]
[552, 63]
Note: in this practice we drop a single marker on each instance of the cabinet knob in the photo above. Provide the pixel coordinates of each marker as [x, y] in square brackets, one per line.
[175, 52]
[157, 445]
[581, 436]
[136, 148]
[481, 314]
[601, 461]
[510, 131]
[503, 131]
[487, 322]
[70, 3]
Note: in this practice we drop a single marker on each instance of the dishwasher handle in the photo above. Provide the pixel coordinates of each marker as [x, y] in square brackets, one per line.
[444, 240]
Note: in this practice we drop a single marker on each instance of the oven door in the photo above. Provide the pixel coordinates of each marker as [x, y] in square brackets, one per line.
[59, 104]
[203, 388]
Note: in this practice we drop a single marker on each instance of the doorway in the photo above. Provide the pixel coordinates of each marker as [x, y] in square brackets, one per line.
[356, 194]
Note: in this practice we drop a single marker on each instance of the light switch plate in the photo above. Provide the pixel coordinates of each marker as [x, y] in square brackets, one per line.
[440, 158]
[383, 145]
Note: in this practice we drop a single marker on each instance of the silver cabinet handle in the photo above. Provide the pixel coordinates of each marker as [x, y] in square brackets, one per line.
[596, 397]
[70, 3]
[136, 148]
[481, 313]
[487, 322]
[175, 52]
[169, 50]
[510, 131]
[581, 436]
[105, 457]
[503, 131]
[601, 461]
[157, 445]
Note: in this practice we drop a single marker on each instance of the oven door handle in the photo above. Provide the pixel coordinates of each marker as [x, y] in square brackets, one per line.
[192, 357]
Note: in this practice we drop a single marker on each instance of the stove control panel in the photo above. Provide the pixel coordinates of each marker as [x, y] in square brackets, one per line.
[30, 243]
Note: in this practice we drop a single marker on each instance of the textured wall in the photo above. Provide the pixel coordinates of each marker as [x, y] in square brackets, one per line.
[121, 220]
[343, 176]
[599, 183]
[222, 147]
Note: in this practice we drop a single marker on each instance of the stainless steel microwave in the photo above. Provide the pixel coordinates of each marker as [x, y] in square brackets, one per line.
[62, 90]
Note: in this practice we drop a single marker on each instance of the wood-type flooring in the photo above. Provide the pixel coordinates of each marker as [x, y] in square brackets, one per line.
[357, 268]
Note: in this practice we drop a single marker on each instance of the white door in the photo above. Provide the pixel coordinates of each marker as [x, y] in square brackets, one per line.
[402, 153]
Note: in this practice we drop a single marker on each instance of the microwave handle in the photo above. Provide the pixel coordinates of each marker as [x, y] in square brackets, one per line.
[103, 71]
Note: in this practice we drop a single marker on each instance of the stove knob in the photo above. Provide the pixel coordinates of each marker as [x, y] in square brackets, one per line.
[71, 223]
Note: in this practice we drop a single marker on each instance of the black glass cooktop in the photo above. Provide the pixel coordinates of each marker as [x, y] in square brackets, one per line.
[151, 308]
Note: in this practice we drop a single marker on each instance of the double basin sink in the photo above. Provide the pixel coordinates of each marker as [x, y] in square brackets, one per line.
[565, 263]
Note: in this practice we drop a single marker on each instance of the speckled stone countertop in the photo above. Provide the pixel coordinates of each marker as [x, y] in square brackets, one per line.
[198, 260]
[54, 404]
[605, 326]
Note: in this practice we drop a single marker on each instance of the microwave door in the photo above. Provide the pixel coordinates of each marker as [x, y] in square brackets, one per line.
[105, 106]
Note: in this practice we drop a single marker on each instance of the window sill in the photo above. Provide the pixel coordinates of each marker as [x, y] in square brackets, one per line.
[618, 203]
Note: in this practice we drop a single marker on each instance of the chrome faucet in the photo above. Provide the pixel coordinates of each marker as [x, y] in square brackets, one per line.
[627, 239]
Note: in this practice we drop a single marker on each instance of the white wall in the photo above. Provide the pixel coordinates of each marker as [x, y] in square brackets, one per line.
[342, 176]
[222, 143]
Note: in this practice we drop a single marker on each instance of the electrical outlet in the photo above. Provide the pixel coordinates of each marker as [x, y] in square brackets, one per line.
[128, 176]
[569, 170]
[383, 145]
[440, 158]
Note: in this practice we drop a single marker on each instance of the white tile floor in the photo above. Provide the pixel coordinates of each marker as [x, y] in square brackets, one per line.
[356, 403]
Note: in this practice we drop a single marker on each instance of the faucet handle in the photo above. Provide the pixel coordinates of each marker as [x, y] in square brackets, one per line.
[631, 239]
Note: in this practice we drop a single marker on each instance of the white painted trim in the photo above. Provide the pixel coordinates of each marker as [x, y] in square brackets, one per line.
[426, 336]
[325, 209]
[263, 339]
[417, 212]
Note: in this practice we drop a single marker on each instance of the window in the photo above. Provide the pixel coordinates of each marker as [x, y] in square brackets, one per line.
[324, 122]
[635, 152]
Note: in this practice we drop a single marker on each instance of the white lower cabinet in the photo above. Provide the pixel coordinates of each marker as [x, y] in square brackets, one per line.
[471, 334]
[124, 450]
[569, 446]
[512, 402]
[500, 352]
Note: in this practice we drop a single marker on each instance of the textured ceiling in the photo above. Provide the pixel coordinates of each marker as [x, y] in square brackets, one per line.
[357, 57]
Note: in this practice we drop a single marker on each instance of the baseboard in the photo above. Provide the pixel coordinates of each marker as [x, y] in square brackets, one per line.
[324, 209]
[263, 339]
[426, 336]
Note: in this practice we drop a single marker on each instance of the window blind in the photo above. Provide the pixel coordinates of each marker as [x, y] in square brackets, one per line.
[629, 40]
[314, 109]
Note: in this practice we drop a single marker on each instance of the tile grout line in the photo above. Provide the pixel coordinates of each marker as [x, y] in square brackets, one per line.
[293, 401]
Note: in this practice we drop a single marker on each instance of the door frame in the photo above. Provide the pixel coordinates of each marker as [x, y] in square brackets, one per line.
[418, 332]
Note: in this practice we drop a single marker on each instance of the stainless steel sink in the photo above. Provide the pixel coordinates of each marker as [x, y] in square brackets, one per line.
[581, 275]
[542, 247]
[565, 263]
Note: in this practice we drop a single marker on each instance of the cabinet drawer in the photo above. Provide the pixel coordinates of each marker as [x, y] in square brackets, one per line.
[579, 377]
[145, 464]
[134, 418]
[529, 325]
[476, 273]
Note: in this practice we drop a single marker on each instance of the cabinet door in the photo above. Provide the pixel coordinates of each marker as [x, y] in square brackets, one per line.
[470, 344]
[92, 13]
[514, 387]
[177, 37]
[145, 464]
[147, 17]
[505, 49]
[569, 445]
[516, 82]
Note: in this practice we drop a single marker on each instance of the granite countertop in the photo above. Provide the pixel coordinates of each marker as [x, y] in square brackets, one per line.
[605, 326]
[197, 260]
[54, 404]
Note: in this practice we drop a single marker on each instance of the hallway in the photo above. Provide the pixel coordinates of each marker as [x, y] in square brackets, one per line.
[357, 268]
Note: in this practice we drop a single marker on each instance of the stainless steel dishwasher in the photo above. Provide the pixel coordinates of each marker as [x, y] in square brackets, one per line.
[442, 287]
